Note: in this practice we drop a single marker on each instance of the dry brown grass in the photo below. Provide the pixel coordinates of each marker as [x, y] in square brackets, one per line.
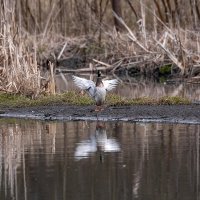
[19, 70]
[34, 31]
[72, 17]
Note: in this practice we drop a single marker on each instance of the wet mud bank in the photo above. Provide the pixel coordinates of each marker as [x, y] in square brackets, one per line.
[137, 113]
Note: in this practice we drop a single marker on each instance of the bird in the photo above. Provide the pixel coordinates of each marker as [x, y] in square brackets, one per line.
[97, 142]
[96, 90]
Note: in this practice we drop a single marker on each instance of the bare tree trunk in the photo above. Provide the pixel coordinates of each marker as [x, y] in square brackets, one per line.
[166, 11]
[170, 17]
[195, 13]
[197, 9]
[133, 9]
[40, 15]
[178, 14]
[100, 21]
[143, 27]
[61, 4]
[159, 11]
[192, 14]
[116, 6]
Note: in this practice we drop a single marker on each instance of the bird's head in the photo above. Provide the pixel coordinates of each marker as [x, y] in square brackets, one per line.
[99, 73]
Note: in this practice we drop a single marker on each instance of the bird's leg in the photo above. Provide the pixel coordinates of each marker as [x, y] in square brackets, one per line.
[98, 108]
[103, 107]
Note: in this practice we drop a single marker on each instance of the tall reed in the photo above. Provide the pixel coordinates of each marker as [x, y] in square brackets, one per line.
[150, 32]
[19, 70]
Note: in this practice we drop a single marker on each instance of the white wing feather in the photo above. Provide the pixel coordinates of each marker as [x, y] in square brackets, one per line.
[110, 84]
[84, 84]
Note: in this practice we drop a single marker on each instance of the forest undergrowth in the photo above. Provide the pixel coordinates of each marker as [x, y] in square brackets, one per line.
[35, 36]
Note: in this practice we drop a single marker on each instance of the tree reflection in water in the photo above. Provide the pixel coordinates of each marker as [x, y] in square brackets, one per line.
[62, 160]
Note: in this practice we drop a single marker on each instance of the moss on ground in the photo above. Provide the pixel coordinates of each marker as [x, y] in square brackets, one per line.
[75, 98]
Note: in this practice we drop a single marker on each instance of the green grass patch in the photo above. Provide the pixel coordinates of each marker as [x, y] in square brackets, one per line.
[75, 98]
[13, 100]
[173, 100]
[166, 69]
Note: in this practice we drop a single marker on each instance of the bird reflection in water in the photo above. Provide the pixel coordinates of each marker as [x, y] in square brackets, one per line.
[98, 142]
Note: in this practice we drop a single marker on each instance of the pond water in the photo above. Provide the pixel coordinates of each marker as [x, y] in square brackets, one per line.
[98, 160]
[135, 87]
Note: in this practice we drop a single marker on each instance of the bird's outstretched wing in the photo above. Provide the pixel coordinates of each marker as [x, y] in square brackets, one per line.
[110, 84]
[85, 84]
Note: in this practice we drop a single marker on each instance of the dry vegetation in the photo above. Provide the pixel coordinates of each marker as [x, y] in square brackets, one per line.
[151, 33]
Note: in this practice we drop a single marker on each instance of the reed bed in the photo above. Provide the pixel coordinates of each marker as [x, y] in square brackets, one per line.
[19, 70]
[108, 35]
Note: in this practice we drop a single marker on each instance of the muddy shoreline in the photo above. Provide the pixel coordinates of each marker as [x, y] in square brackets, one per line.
[137, 113]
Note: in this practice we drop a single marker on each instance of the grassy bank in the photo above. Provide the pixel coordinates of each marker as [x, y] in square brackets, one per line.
[74, 98]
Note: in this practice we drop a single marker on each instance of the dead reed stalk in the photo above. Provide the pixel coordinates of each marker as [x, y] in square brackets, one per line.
[31, 33]
[20, 73]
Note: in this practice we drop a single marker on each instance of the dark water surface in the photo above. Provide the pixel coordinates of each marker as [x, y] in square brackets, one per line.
[97, 160]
